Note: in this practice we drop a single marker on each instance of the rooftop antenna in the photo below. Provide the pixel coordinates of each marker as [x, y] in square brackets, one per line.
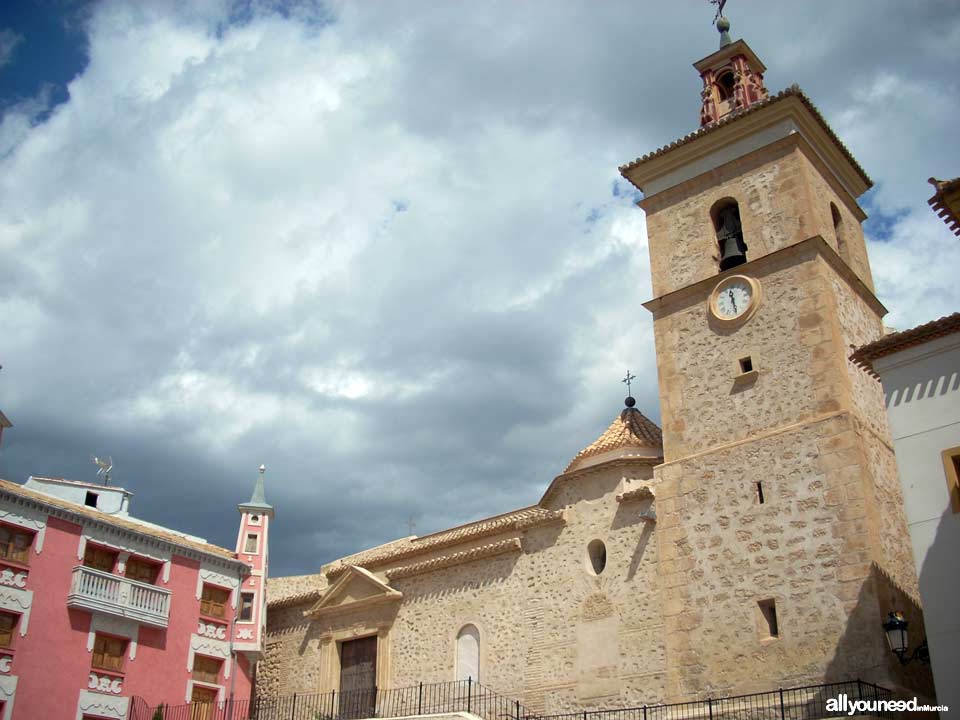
[105, 465]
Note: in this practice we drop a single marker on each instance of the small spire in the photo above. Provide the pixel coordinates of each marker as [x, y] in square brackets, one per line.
[258, 501]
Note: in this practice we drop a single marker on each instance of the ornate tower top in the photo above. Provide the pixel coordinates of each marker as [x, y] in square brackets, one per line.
[732, 77]
[258, 501]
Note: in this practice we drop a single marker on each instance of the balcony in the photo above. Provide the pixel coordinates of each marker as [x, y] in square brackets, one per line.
[99, 591]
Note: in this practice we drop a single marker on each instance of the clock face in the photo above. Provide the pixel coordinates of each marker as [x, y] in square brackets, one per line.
[733, 299]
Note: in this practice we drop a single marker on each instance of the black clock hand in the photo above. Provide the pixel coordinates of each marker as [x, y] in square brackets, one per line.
[734, 302]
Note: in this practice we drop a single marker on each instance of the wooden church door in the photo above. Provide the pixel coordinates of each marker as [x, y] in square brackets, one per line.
[358, 677]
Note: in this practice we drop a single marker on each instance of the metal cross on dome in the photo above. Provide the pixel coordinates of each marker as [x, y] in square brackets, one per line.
[627, 380]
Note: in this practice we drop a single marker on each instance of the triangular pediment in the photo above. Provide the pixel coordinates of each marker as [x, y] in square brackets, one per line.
[355, 589]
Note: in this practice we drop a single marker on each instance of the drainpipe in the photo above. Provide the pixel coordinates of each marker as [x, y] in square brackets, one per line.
[233, 633]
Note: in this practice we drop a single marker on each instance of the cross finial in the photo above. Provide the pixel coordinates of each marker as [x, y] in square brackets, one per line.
[627, 380]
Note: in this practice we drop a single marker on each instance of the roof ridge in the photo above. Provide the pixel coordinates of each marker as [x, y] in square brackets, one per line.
[792, 91]
[888, 344]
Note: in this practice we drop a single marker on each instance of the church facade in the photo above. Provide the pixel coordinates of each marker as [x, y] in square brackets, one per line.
[758, 541]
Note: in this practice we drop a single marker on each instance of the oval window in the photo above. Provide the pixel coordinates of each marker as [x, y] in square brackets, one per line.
[597, 552]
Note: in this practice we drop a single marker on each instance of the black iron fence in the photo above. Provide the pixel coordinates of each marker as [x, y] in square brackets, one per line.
[800, 703]
[423, 699]
[811, 702]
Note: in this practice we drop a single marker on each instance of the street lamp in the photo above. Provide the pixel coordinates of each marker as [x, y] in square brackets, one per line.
[896, 629]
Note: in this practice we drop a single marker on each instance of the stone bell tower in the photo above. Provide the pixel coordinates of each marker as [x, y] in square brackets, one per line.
[782, 538]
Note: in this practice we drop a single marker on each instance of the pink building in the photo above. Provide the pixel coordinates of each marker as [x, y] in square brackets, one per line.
[98, 608]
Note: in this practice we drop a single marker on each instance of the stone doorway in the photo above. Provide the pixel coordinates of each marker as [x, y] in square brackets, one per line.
[358, 677]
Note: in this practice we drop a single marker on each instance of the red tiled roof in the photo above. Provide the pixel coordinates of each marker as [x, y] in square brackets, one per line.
[631, 428]
[946, 202]
[894, 342]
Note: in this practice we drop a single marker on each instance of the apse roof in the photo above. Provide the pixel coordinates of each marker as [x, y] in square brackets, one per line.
[630, 429]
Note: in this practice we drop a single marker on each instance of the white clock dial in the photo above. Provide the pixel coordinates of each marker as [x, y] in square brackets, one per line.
[734, 299]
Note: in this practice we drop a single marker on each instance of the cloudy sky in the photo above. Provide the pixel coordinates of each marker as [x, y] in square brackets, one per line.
[383, 247]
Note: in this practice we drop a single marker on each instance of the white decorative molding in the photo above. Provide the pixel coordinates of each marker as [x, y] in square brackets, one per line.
[215, 578]
[5, 663]
[245, 633]
[8, 692]
[105, 683]
[121, 627]
[122, 559]
[126, 546]
[17, 601]
[13, 579]
[96, 703]
[221, 691]
[211, 648]
[29, 519]
[212, 630]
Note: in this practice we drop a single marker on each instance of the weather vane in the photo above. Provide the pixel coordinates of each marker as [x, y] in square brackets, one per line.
[719, 4]
[105, 465]
[627, 381]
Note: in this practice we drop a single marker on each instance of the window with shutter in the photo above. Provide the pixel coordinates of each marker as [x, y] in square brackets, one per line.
[8, 621]
[99, 558]
[213, 601]
[206, 669]
[15, 544]
[108, 653]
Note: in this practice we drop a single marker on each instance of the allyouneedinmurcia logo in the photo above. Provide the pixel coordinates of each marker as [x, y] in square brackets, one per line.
[843, 704]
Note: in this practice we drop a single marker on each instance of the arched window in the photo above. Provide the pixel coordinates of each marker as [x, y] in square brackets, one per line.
[725, 84]
[838, 229]
[468, 653]
[597, 553]
[726, 222]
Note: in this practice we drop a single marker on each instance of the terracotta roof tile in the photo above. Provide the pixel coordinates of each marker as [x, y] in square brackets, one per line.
[131, 525]
[792, 91]
[946, 202]
[894, 342]
[516, 520]
[630, 429]
[458, 558]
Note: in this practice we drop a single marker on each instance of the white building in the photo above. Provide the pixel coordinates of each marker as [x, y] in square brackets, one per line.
[920, 372]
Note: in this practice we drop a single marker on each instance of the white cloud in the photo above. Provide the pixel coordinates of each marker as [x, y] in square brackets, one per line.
[380, 249]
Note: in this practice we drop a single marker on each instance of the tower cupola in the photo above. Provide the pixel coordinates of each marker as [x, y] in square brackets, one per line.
[732, 77]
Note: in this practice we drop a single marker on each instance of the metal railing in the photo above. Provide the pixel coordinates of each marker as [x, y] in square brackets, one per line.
[799, 703]
[92, 589]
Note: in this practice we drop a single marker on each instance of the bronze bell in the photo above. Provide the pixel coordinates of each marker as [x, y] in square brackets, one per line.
[733, 250]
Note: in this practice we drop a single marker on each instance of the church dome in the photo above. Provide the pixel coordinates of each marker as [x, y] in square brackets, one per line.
[631, 434]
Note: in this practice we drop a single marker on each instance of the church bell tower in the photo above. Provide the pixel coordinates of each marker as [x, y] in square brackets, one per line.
[782, 538]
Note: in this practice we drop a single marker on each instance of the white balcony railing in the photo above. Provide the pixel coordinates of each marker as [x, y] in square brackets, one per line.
[100, 591]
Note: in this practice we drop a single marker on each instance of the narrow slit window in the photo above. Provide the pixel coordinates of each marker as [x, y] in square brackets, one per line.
[760, 493]
[768, 609]
[246, 607]
[251, 544]
[838, 228]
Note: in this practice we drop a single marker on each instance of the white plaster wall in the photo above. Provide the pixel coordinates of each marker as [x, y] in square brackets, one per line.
[113, 501]
[922, 392]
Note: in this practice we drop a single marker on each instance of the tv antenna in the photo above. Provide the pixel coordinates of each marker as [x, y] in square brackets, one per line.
[105, 465]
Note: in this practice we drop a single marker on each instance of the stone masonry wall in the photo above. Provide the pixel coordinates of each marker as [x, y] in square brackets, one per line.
[769, 187]
[552, 634]
[805, 547]
[702, 404]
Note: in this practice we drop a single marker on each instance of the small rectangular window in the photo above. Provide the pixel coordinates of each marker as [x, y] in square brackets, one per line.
[15, 544]
[251, 544]
[246, 607]
[91, 500]
[746, 365]
[768, 610]
[206, 669]
[213, 601]
[108, 653]
[99, 558]
[8, 621]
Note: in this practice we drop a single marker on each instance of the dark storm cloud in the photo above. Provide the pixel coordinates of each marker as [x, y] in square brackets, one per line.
[383, 248]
